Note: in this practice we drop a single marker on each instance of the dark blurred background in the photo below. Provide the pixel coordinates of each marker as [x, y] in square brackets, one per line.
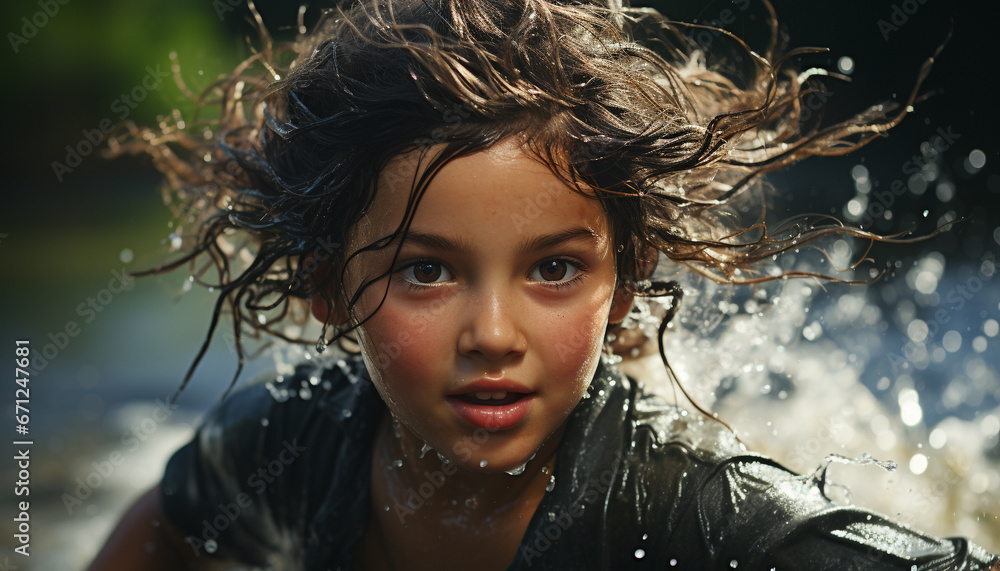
[66, 234]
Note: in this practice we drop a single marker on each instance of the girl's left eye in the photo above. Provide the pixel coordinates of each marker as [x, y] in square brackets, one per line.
[556, 271]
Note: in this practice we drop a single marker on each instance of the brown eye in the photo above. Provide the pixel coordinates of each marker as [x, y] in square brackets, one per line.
[425, 272]
[552, 270]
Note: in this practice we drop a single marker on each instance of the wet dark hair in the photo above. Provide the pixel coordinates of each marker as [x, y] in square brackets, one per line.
[619, 99]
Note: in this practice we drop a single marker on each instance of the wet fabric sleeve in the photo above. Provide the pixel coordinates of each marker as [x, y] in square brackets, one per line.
[237, 489]
[755, 514]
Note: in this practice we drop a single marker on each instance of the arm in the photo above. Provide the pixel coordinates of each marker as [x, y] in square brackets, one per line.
[138, 543]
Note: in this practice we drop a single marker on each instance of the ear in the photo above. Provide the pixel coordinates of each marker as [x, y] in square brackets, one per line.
[621, 304]
[328, 308]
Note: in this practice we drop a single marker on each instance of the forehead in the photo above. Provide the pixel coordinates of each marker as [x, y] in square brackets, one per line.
[478, 195]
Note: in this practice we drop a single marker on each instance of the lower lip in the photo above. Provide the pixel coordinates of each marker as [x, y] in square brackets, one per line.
[499, 417]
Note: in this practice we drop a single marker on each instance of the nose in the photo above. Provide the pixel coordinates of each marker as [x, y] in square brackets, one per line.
[492, 326]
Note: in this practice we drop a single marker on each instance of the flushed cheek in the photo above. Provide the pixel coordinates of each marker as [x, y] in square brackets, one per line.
[580, 335]
[410, 360]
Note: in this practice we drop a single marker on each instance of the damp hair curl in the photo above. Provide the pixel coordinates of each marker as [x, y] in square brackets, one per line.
[673, 138]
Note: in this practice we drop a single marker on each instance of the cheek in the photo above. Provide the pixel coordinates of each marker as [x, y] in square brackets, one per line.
[399, 345]
[580, 332]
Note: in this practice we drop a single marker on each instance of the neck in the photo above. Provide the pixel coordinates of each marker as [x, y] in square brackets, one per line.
[408, 468]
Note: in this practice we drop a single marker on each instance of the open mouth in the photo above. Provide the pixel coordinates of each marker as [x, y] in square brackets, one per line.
[492, 410]
[488, 398]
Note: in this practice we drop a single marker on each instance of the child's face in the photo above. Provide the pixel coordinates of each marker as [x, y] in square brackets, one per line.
[506, 280]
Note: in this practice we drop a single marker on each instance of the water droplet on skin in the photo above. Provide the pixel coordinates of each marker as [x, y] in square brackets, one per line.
[552, 483]
[386, 508]
[640, 553]
[644, 536]
[425, 449]
[482, 463]
[673, 563]
[518, 470]
[733, 564]
[397, 463]
[442, 458]
[545, 469]
[211, 546]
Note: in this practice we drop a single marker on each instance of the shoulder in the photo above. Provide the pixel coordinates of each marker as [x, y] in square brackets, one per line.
[287, 404]
[266, 454]
[713, 503]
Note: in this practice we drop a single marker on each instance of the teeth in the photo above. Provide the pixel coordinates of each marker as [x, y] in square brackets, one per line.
[485, 395]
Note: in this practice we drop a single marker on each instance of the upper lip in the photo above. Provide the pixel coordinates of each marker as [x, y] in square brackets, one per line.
[492, 385]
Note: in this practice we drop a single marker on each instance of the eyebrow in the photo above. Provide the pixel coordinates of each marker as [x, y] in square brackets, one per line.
[527, 245]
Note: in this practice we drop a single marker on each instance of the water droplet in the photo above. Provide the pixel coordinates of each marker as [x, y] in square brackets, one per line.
[733, 564]
[346, 413]
[305, 393]
[673, 563]
[518, 470]
[545, 469]
[264, 422]
[397, 463]
[640, 553]
[471, 503]
[552, 483]
[425, 449]
[482, 463]
[386, 508]
[211, 546]
[552, 516]
[644, 536]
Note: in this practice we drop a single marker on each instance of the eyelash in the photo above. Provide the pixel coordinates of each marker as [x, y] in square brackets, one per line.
[414, 286]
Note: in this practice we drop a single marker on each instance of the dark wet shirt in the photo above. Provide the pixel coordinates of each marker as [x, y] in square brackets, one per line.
[278, 476]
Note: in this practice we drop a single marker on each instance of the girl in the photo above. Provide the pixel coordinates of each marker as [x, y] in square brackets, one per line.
[471, 194]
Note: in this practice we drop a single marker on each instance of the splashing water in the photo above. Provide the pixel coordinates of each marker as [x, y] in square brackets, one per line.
[840, 374]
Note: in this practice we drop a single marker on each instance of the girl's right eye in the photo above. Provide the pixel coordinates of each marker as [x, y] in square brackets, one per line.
[425, 273]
